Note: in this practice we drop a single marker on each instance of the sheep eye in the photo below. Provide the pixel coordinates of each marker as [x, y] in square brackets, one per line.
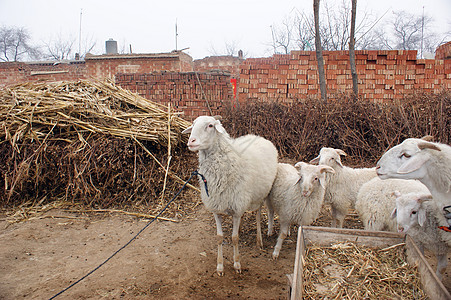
[405, 155]
[210, 125]
[316, 178]
[414, 212]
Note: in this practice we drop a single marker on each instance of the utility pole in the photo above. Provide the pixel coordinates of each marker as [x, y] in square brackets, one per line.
[176, 35]
[79, 34]
[422, 32]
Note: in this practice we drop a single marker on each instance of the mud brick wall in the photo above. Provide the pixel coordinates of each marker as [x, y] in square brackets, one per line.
[227, 63]
[189, 92]
[384, 75]
[17, 72]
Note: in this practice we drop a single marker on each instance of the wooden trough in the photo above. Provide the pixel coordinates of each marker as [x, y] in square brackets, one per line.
[322, 236]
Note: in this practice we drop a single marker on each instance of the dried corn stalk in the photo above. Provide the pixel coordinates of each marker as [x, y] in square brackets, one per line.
[39, 110]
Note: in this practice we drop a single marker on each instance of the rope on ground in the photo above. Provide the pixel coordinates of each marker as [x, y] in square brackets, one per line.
[131, 240]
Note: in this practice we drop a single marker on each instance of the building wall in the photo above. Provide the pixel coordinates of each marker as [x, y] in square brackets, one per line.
[18, 72]
[383, 75]
[108, 65]
[192, 93]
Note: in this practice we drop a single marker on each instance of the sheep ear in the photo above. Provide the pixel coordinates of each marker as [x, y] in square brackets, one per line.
[424, 198]
[299, 165]
[322, 178]
[341, 152]
[315, 160]
[428, 138]
[421, 216]
[326, 169]
[396, 194]
[219, 128]
[413, 164]
[218, 117]
[187, 130]
[393, 213]
[426, 145]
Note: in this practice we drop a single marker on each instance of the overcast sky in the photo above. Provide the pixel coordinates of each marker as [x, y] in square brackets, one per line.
[203, 25]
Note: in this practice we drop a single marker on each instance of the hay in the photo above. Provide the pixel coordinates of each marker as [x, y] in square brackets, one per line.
[350, 271]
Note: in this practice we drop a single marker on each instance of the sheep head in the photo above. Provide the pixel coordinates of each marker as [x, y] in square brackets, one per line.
[310, 176]
[407, 160]
[204, 132]
[330, 157]
[410, 211]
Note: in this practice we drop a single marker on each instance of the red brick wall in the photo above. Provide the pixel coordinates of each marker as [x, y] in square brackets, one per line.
[443, 51]
[17, 72]
[383, 75]
[101, 66]
[189, 93]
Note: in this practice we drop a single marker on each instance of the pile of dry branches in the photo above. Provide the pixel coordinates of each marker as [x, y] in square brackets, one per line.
[349, 271]
[363, 129]
[87, 141]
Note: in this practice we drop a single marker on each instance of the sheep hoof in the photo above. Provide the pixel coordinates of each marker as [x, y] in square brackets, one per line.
[220, 270]
[237, 266]
[275, 255]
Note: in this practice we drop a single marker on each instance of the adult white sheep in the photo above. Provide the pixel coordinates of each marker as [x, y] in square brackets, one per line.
[376, 201]
[239, 174]
[417, 216]
[426, 161]
[296, 196]
[342, 186]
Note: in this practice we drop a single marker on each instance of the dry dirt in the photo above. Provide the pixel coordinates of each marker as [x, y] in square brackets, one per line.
[41, 257]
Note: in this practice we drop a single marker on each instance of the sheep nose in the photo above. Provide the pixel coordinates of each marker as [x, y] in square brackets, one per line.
[378, 167]
[191, 140]
[400, 229]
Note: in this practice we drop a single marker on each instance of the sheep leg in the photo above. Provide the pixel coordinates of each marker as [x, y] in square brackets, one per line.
[235, 239]
[442, 262]
[270, 217]
[337, 218]
[220, 238]
[259, 228]
[284, 228]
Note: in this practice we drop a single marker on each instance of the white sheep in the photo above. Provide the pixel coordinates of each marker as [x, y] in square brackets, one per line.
[376, 201]
[239, 174]
[417, 216]
[296, 196]
[419, 159]
[342, 186]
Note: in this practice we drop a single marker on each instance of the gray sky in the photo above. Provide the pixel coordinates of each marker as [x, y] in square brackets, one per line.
[149, 26]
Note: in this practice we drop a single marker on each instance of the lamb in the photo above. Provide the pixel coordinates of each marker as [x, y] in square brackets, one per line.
[342, 186]
[296, 196]
[376, 201]
[239, 174]
[419, 159]
[417, 216]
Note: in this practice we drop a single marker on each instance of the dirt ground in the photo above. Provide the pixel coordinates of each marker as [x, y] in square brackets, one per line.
[169, 260]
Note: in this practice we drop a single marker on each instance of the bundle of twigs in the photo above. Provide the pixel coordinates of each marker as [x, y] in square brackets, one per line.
[41, 110]
[88, 142]
[363, 129]
[350, 271]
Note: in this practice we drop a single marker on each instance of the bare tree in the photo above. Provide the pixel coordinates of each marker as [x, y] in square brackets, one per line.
[15, 44]
[355, 86]
[283, 36]
[59, 48]
[63, 47]
[319, 53]
[231, 48]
